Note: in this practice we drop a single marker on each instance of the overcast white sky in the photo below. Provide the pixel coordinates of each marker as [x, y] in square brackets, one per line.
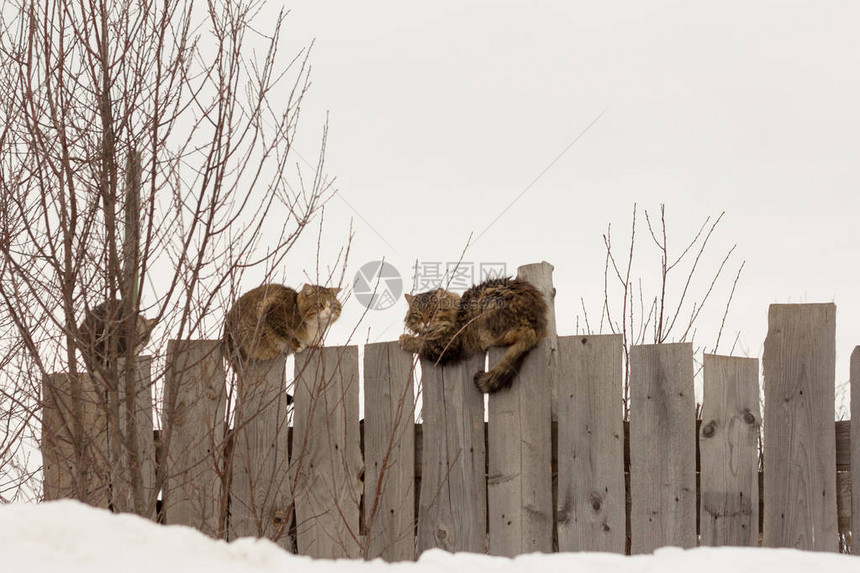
[442, 113]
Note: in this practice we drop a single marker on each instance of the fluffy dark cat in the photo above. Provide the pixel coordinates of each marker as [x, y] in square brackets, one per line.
[499, 312]
[273, 319]
[97, 328]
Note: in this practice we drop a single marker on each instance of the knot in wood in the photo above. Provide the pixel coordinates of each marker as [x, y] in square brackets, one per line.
[441, 534]
[749, 417]
[710, 429]
[279, 518]
[596, 501]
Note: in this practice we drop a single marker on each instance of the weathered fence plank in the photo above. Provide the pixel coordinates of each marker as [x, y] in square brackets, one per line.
[327, 466]
[591, 444]
[519, 482]
[799, 440]
[126, 469]
[260, 500]
[453, 504]
[662, 447]
[194, 492]
[65, 474]
[855, 449]
[728, 445]
[389, 452]
[142, 420]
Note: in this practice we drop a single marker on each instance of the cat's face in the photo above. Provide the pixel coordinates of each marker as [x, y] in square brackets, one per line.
[319, 302]
[144, 331]
[431, 311]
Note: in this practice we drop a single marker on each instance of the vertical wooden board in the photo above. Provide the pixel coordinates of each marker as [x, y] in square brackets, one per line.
[519, 441]
[591, 498]
[728, 446]
[799, 432]
[195, 383]
[143, 418]
[389, 452]
[260, 500]
[64, 474]
[452, 511]
[144, 446]
[855, 449]
[327, 465]
[843, 501]
[662, 447]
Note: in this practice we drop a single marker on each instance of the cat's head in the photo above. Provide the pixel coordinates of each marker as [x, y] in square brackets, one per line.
[319, 303]
[144, 331]
[432, 311]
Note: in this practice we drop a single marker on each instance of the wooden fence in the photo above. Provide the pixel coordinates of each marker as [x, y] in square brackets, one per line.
[331, 486]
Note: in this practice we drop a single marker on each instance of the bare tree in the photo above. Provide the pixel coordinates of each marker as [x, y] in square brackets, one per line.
[145, 162]
[671, 314]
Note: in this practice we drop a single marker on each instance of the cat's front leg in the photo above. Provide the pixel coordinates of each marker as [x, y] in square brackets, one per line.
[297, 345]
[410, 343]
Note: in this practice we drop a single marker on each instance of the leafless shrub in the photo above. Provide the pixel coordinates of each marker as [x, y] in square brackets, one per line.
[145, 158]
[663, 305]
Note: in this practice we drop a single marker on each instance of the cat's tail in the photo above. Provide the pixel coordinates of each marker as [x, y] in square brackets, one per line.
[502, 374]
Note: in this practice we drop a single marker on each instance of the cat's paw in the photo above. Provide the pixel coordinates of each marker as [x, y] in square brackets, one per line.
[408, 342]
[482, 381]
[300, 348]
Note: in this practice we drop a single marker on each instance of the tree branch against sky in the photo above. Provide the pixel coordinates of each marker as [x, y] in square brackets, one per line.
[189, 96]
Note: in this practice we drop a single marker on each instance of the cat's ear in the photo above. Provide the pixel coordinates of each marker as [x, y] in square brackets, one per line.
[334, 290]
[409, 298]
[308, 290]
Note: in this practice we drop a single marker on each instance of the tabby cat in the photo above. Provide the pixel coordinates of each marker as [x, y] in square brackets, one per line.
[97, 328]
[498, 312]
[273, 319]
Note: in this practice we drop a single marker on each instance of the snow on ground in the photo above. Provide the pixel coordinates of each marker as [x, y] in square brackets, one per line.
[69, 536]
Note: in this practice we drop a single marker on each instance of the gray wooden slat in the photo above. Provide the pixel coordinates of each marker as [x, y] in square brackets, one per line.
[143, 418]
[62, 474]
[193, 492]
[135, 440]
[591, 512]
[728, 445]
[662, 447]
[260, 500]
[327, 466]
[855, 449]
[519, 482]
[799, 434]
[453, 501]
[389, 452]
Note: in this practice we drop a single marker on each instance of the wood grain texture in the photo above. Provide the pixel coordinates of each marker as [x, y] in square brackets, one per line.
[728, 445]
[453, 501]
[327, 466]
[591, 444]
[389, 452]
[855, 449]
[799, 439]
[843, 501]
[662, 447]
[65, 474]
[194, 490]
[260, 500]
[141, 418]
[519, 482]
